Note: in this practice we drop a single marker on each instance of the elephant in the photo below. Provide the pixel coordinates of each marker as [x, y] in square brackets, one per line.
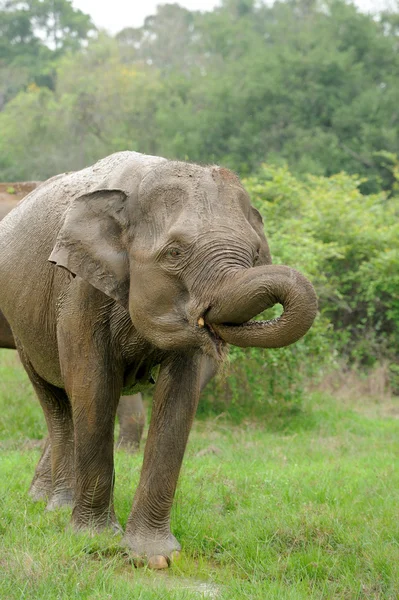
[130, 411]
[133, 269]
[8, 201]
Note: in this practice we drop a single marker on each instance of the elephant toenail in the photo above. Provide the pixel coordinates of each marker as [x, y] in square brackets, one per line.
[158, 562]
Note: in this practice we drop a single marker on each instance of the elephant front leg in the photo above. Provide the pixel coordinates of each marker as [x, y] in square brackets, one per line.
[175, 402]
[94, 403]
[93, 378]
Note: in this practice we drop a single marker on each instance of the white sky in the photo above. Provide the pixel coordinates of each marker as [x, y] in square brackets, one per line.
[114, 15]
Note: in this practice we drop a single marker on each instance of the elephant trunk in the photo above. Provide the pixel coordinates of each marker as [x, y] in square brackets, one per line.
[251, 291]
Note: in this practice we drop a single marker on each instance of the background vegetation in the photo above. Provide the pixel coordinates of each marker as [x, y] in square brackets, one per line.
[300, 98]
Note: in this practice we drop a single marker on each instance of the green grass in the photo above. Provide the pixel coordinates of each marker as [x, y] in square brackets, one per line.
[299, 508]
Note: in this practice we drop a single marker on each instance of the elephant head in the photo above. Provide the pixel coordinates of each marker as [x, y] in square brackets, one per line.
[181, 248]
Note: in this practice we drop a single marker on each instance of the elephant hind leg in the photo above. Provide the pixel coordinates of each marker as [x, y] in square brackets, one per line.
[131, 417]
[58, 455]
[42, 485]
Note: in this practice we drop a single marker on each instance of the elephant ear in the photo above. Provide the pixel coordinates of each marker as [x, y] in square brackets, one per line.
[90, 243]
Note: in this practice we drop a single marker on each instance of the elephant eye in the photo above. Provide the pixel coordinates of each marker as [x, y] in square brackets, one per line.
[173, 252]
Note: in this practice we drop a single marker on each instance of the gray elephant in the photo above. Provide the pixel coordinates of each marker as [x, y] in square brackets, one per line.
[130, 411]
[8, 201]
[134, 263]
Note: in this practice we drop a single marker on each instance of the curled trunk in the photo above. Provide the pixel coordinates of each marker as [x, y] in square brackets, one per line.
[249, 293]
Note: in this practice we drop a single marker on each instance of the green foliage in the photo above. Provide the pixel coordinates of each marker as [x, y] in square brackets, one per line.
[91, 111]
[28, 24]
[310, 83]
[33, 35]
[347, 243]
[307, 81]
[269, 383]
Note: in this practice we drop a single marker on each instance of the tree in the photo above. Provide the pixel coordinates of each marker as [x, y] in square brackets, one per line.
[62, 26]
[167, 40]
[306, 82]
[99, 106]
[33, 34]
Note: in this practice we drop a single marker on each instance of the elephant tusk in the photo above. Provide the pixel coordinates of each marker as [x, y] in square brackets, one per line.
[201, 322]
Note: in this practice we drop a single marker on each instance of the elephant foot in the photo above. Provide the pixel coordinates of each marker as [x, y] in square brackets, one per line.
[155, 550]
[40, 490]
[60, 498]
[95, 523]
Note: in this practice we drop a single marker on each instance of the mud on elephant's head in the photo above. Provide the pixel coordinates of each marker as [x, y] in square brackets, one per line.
[180, 246]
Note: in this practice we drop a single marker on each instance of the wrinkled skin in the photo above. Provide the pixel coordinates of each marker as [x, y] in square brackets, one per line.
[132, 263]
[130, 411]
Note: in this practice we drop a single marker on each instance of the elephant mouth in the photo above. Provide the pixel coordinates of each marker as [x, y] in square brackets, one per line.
[218, 342]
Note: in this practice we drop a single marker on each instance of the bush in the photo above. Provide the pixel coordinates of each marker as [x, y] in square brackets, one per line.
[257, 382]
[348, 246]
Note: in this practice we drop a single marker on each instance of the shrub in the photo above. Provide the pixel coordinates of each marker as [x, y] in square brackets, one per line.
[348, 245]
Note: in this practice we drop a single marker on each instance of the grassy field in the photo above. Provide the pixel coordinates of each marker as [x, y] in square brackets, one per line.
[301, 507]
